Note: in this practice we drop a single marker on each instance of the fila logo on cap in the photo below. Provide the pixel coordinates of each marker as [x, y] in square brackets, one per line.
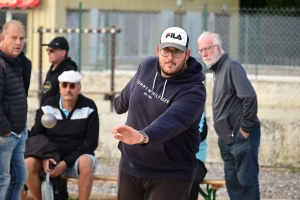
[174, 37]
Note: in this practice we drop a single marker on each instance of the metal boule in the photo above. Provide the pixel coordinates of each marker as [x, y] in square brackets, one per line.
[48, 120]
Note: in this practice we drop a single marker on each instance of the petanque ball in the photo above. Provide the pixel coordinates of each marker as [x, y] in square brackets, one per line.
[48, 120]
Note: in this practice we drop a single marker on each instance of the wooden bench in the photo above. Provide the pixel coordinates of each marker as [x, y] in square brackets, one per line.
[211, 188]
[211, 185]
[98, 177]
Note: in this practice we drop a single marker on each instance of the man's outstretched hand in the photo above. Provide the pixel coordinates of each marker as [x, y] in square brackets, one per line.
[128, 135]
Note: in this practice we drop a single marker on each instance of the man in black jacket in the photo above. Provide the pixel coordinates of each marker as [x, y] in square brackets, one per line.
[76, 135]
[26, 67]
[13, 112]
[58, 56]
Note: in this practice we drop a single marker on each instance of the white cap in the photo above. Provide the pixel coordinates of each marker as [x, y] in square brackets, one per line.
[70, 77]
[174, 37]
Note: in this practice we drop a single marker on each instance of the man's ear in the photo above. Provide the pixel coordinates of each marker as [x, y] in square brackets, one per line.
[157, 50]
[188, 52]
[219, 49]
[64, 53]
[1, 37]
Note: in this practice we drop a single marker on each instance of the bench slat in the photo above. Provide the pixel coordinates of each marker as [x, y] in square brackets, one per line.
[99, 177]
[215, 183]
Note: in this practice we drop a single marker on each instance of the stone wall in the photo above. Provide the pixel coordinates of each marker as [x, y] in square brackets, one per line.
[279, 112]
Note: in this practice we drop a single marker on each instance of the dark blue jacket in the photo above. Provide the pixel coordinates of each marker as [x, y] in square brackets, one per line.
[13, 102]
[169, 111]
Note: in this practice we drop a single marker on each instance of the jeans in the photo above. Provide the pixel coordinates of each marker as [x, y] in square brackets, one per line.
[241, 166]
[13, 172]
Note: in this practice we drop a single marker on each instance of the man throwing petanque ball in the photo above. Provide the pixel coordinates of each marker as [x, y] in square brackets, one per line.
[66, 148]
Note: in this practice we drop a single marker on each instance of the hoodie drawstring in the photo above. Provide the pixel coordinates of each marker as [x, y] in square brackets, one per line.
[154, 81]
[163, 88]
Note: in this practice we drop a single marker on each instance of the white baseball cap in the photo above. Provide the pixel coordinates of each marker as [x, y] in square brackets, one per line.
[70, 77]
[174, 37]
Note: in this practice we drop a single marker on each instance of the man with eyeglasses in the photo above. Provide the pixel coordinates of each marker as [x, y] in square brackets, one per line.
[58, 56]
[69, 146]
[235, 119]
[164, 100]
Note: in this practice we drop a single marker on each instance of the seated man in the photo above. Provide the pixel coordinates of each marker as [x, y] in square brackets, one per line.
[69, 146]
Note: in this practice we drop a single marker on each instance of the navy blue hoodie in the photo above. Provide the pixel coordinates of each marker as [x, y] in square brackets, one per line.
[169, 111]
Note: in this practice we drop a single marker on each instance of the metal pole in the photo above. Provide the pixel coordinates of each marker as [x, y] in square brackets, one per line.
[205, 18]
[246, 39]
[107, 24]
[8, 15]
[179, 5]
[112, 75]
[79, 36]
[257, 43]
[40, 63]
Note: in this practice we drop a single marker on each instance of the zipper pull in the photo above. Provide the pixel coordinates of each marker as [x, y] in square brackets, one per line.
[56, 190]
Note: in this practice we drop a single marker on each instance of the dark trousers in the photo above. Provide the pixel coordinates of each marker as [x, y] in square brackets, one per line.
[130, 187]
[199, 176]
[241, 166]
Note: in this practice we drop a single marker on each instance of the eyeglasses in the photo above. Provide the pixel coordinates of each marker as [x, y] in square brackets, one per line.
[166, 52]
[206, 49]
[50, 50]
[65, 85]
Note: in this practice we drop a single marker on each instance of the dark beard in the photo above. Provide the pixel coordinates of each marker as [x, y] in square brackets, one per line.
[176, 73]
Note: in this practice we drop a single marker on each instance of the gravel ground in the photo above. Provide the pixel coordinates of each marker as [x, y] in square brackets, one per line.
[275, 183]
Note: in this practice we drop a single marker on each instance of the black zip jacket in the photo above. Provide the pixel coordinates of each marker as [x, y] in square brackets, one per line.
[76, 134]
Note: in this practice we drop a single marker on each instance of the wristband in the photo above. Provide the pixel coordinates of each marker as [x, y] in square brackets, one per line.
[144, 137]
